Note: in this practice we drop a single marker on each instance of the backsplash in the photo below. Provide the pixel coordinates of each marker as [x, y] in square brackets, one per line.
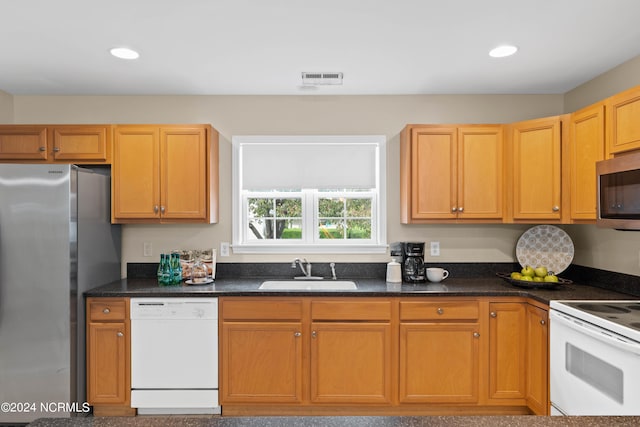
[618, 282]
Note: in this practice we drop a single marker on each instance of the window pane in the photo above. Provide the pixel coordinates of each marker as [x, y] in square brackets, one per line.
[359, 208]
[330, 229]
[270, 218]
[331, 208]
[358, 229]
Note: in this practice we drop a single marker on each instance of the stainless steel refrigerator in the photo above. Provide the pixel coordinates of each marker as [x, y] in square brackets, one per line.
[56, 241]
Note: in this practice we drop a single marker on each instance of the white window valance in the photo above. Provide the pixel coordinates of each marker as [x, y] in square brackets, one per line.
[329, 162]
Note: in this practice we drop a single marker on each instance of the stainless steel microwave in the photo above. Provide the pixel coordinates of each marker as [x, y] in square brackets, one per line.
[618, 184]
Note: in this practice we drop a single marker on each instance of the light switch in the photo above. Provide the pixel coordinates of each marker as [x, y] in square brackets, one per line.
[148, 249]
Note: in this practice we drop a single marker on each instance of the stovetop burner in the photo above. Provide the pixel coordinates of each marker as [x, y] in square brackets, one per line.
[603, 308]
[620, 316]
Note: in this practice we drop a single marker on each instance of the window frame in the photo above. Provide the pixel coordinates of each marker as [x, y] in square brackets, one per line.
[310, 243]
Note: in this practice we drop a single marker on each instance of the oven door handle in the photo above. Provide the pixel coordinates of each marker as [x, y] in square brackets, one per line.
[627, 346]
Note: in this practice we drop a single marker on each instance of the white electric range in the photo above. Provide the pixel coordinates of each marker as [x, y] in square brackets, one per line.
[595, 357]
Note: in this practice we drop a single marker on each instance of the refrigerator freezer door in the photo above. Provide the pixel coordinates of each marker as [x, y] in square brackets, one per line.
[36, 234]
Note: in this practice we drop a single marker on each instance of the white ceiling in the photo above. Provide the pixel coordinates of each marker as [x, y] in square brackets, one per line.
[202, 47]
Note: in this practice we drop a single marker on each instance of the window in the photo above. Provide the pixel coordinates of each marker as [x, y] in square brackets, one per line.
[295, 194]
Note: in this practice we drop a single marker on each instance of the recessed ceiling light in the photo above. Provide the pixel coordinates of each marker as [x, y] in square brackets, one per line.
[502, 51]
[124, 53]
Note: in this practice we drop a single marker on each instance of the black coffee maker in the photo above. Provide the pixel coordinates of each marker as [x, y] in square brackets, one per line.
[413, 270]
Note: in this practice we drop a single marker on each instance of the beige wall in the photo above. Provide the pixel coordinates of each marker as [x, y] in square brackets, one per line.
[616, 80]
[6, 107]
[236, 115]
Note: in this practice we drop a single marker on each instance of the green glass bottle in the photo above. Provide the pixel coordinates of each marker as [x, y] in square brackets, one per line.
[167, 273]
[160, 270]
[176, 269]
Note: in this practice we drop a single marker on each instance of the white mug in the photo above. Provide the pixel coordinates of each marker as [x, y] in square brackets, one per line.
[436, 275]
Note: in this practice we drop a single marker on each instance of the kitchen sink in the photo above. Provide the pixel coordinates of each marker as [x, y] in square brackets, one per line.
[308, 285]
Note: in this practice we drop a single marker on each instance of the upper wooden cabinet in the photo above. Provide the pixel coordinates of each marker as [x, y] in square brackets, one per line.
[623, 116]
[535, 170]
[586, 147]
[56, 143]
[165, 173]
[451, 173]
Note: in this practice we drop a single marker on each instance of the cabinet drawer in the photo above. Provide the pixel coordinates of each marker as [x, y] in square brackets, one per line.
[107, 310]
[351, 310]
[439, 310]
[270, 309]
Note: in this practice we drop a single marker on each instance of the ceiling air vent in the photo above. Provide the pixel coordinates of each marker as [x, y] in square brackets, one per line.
[320, 79]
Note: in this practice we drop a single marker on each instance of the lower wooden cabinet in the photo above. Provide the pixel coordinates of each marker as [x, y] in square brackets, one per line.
[405, 355]
[350, 363]
[439, 363]
[507, 350]
[537, 368]
[439, 351]
[288, 351]
[108, 356]
[261, 362]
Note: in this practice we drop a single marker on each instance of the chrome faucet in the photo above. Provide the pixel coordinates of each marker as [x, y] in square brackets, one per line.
[333, 270]
[305, 270]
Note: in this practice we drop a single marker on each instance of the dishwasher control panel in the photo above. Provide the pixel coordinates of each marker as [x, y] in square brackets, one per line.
[174, 308]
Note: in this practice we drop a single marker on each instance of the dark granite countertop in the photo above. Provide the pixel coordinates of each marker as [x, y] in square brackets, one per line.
[443, 421]
[472, 287]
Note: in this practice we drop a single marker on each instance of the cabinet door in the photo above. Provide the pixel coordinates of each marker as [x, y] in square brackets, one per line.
[136, 173]
[261, 362]
[507, 347]
[434, 173]
[23, 143]
[107, 381]
[183, 153]
[81, 143]
[586, 147]
[537, 360]
[536, 169]
[351, 363]
[623, 116]
[480, 178]
[439, 363]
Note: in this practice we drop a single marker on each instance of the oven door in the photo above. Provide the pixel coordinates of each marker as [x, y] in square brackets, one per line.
[592, 371]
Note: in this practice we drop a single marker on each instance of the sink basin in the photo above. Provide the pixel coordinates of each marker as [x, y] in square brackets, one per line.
[308, 285]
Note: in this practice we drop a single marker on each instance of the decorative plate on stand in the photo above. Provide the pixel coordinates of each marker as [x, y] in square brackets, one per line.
[545, 246]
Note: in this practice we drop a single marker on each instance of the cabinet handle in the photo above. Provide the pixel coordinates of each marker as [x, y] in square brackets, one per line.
[297, 334]
[476, 334]
[155, 209]
[460, 209]
[440, 311]
[162, 209]
[56, 149]
[543, 322]
[42, 148]
[120, 334]
[555, 208]
[106, 311]
[454, 209]
[314, 334]
[493, 314]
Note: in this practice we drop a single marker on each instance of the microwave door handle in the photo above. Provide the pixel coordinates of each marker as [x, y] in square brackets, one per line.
[623, 345]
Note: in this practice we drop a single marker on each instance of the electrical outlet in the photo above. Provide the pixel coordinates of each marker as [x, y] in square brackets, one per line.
[224, 248]
[148, 249]
[435, 248]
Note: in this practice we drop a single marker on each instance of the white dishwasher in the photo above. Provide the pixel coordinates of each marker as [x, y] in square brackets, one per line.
[174, 355]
